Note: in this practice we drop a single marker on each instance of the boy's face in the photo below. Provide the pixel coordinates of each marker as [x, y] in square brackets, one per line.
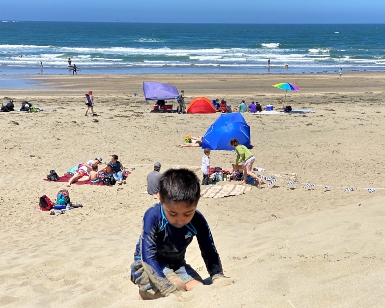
[179, 213]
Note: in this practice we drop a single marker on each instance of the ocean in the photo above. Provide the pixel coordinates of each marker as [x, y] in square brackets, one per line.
[133, 48]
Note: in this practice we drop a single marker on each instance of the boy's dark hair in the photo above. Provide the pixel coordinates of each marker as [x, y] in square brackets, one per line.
[115, 156]
[179, 185]
[206, 150]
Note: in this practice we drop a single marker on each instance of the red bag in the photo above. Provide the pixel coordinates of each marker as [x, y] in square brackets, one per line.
[45, 203]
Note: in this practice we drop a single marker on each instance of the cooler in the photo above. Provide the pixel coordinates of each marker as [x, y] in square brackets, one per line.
[269, 107]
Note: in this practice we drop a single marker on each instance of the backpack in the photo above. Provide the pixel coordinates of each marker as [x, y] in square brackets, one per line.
[109, 179]
[8, 107]
[52, 176]
[25, 106]
[287, 109]
[179, 98]
[63, 197]
[45, 203]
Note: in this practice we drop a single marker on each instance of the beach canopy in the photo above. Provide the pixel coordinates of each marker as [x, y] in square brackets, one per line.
[225, 128]
[200, 105]
[159, 91]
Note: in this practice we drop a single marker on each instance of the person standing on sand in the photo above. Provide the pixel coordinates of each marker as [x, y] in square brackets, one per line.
[182, 106]
[340, 72]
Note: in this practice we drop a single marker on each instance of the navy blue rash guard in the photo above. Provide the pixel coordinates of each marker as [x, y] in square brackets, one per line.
[163, 243]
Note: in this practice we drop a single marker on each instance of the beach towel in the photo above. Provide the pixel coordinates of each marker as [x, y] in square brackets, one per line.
[216, 191]
[66, 177]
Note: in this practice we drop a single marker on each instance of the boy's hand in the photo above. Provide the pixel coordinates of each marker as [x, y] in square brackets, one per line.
[220, 281]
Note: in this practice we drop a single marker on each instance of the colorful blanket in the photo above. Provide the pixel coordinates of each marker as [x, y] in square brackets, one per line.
[219, 191]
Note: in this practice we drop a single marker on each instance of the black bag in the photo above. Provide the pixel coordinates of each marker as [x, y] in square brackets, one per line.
[52, 176]
[217, 169]
[287, 109]
[8, 107]
[25, 106]
[109, 179]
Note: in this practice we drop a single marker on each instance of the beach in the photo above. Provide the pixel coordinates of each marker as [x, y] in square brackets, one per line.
[280, 246]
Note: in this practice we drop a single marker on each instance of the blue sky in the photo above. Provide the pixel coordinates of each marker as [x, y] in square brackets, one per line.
[211, 11]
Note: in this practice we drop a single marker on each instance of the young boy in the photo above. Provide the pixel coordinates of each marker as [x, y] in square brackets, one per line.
[94, 174]
[206, 166]
[159, 267]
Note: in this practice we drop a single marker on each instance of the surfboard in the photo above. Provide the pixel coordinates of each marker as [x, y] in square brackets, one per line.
[71, 67]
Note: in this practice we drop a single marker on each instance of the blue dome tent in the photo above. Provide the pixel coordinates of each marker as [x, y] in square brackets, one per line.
[226, 127]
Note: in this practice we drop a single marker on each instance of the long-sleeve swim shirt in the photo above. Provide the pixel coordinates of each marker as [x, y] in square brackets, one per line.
[162, 243]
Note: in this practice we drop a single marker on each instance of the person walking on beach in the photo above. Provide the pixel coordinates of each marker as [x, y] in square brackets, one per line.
[41, 67]
[340, 72]
[74, 70]
[89, 103]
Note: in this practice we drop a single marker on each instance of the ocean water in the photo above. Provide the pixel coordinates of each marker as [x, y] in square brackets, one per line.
[188, 48]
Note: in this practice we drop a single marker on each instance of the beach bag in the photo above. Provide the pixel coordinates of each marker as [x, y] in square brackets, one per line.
[45, 203]
[236, 176]
[52, 176]
[25, 106]
[287, 109]
[109, 179]
[63, 197]
[8, 107]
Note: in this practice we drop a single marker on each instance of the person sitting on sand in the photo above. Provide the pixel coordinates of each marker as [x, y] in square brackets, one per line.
[247, 158]
[84, 170]
[194, 142]
[116, 169]
[159, 268]
[94, 174]
[153, 179]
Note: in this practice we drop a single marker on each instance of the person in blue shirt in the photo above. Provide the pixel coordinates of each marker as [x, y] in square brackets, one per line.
[160, 267]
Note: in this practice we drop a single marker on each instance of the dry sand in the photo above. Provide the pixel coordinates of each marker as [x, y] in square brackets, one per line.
[281, 247]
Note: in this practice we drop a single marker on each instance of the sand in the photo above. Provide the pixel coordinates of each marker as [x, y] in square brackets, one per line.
[285, 246]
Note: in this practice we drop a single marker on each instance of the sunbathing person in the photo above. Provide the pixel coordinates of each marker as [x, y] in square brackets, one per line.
[84, 171]
[192, 142]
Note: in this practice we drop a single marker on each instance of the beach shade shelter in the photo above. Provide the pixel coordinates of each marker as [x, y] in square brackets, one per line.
[287, 87]
[225, 128]
[159, 91]
[200, 105]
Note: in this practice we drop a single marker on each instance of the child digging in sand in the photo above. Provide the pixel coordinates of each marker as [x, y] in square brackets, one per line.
[247, 159]
[159, 267]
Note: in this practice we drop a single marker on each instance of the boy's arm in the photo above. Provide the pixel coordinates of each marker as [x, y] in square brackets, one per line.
[149, 251]
[206, 244]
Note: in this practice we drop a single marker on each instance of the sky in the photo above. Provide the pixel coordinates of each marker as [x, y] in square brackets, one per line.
[196, 11]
